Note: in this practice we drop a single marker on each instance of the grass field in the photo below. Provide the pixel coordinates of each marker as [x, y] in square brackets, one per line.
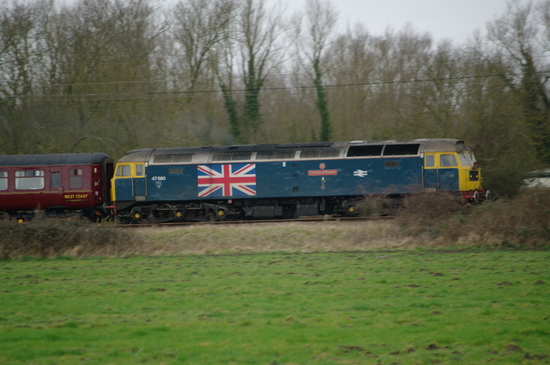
[357, 307]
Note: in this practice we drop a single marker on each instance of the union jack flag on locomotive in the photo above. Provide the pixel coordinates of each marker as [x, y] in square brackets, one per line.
[226, 180]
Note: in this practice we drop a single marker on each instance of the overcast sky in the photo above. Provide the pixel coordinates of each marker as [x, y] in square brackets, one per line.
[444, 19]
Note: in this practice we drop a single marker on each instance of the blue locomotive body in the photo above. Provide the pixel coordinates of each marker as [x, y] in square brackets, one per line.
[277, 180]
[285, 180]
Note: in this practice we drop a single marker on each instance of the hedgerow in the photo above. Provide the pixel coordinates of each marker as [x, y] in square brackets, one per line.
[47, 237]
[518, 222]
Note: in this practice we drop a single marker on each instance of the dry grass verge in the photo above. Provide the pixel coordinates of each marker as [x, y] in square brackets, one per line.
[424, 221]
[270, 237]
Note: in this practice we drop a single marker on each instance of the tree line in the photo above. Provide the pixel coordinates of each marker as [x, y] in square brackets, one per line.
[116, 75]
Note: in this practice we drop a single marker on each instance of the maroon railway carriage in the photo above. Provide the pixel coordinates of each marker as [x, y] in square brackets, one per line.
[61, 184]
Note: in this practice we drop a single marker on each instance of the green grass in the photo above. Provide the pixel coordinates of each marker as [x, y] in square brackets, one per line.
[406, 307]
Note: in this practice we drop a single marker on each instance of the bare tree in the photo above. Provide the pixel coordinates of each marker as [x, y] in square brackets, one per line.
[255, 45]
[103, 53]
[519, 34]
[379, 72]
[320, 22]
[199, 26]
[21, 57]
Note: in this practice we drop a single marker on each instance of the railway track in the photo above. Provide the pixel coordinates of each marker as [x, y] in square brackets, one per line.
[253, 221]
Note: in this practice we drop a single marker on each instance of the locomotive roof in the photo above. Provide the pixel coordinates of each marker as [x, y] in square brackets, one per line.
[153, 155]
[53, 159]
[444, 145]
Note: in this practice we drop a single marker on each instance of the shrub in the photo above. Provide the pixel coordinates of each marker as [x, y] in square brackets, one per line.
[378, 205]
[520, 221]
[429, 214]
[44, 237]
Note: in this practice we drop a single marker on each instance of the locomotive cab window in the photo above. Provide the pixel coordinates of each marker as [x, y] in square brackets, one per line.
[430, 161]
[467, 158]
[3, 180]
[75, 178]
[140, 170]
[29, 180]
[123, 171]
[447, 160]
[464, 159]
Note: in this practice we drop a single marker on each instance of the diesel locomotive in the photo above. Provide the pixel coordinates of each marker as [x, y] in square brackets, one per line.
[236, 182]
[287, 180]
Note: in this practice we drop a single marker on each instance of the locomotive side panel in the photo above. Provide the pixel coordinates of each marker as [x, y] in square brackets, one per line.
[171, 183]
[342, 177]
[284, 179]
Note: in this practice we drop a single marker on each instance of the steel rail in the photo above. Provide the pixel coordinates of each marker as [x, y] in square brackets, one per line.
[249, 221]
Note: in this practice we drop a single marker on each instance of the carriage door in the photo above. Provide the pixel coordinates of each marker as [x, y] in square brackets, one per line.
[431, 178]
[56, 188]
[139, 185]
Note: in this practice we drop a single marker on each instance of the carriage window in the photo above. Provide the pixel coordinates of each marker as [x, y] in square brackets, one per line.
[56, 179]
[140, 171]
[430, 161]
[447, 161]
[29, 180]
[3, 180]
[75, 179]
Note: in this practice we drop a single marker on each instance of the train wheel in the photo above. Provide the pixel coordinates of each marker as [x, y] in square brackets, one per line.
[476, 197]
[137, 217]
[221, 215]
